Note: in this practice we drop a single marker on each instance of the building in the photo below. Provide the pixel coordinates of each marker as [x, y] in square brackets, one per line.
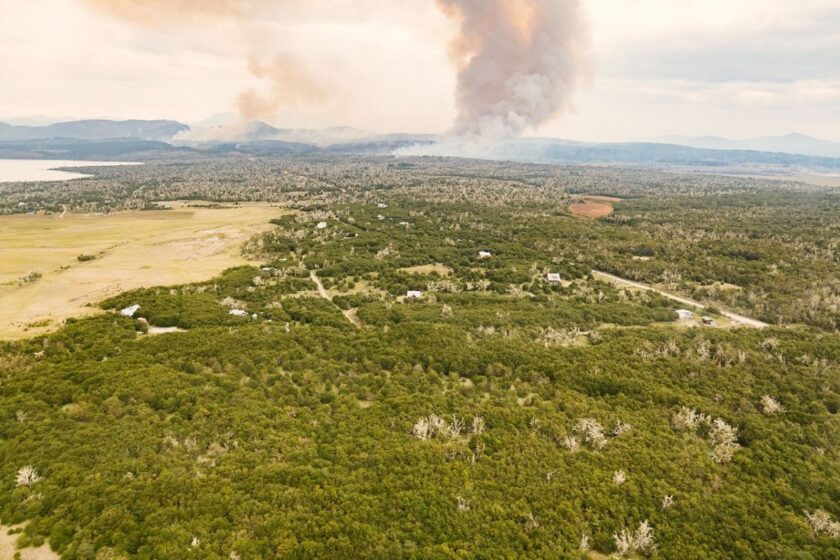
[684, 315]
[130, 311]
[553, 277]
[413, 294]
[708, 321]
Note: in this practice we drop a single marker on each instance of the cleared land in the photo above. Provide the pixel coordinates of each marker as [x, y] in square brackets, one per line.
[593, 207]
[441, 269]
[8, 547]
[130, 249]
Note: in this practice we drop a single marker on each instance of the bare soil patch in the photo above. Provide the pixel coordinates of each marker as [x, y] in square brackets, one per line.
[592, 210]
[8, 547]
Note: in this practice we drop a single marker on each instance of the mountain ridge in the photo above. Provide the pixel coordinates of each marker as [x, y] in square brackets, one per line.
[791, 143]
[96, 129]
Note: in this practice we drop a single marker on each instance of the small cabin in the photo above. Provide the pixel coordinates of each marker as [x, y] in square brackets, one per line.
[413, 294]
[130, 311]
[553, 277]
[684, 315]
[708, 321]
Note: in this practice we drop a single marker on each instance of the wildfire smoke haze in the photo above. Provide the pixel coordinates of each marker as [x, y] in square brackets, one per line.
[518, 62]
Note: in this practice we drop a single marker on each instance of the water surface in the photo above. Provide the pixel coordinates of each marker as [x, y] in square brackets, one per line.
[15, 170]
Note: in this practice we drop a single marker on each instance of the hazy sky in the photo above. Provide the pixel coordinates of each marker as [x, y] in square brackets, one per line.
[737, 68]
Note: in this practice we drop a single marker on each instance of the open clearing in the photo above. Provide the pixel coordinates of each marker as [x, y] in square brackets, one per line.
[8, 547]
[591, 210]
[441, 269]
[593, 207]
[131, 250]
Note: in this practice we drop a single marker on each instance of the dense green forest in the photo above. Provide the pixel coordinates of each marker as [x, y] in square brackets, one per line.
[447, 399]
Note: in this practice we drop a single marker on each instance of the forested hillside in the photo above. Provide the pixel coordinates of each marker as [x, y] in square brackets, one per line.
[430, 370]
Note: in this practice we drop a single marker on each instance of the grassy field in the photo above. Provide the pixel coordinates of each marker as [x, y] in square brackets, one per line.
[130, 250]
[441, 269]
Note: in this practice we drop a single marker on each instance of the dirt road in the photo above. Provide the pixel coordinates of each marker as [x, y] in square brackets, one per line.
[617, 280]
[349, 314]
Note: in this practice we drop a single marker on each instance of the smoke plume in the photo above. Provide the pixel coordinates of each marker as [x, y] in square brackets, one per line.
[519, 63]
[291, 85]
[289, 82]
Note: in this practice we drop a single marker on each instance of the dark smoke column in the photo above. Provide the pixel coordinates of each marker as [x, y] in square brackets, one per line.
[519, 63]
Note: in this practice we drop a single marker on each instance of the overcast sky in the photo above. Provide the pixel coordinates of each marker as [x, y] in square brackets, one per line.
[736, 68]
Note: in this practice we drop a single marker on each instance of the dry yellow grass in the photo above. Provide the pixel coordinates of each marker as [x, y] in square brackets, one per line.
[132, 250]
[441, 269]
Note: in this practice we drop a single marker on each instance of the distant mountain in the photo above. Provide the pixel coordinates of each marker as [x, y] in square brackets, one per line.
[96, 130]
[546, 150]
[258, 130]
[163, 139]
[793, 143]
[219, 119]
[232, 131]
[75, 148]
[34, 120]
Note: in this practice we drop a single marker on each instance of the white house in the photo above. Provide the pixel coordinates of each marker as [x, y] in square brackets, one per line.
[238, 312]
[413, 294]
[484, 254]
[553, 277]
[130, 311]
[684, 314]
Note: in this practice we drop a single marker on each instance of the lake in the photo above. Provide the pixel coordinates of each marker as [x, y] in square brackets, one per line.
[15, 170]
